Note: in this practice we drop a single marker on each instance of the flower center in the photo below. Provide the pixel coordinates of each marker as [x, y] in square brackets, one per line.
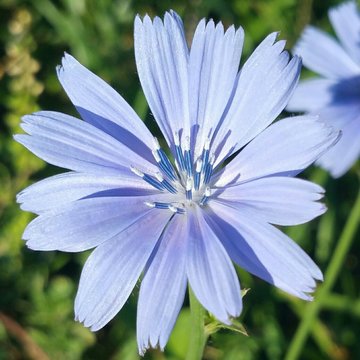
[188, 180]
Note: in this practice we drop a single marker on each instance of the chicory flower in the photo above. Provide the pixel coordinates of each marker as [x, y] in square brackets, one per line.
[180, 216]
[335, 96]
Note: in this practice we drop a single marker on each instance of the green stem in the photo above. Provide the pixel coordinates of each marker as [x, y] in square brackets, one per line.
[312, 309]
[343, 303]
[198, 336]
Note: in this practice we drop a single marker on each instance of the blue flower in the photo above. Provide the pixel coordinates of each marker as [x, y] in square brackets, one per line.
[183, 218]
[335, 97]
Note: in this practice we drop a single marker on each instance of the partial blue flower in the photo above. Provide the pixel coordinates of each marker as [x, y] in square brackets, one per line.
[183, 218]
[335, 96]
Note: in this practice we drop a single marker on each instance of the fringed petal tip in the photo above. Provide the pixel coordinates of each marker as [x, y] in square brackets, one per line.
[92, 321]
[230, 317]
[93, 327]
[68, 62]
[142, 348]
[320, 276]
[160, 343]
[332, 134]
[171, 14]
[309, 295]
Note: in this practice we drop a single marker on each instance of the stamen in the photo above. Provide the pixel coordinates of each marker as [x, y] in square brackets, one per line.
[206, 196]
[172, 208]
[163, 161]
[176, 210]
[185, 177]
[156, 156]
[165, 206]
[189, 182]
[177, 138]
[198, 174]
[165, 183]
[168, 171]
[209, 169]
[177, 164]
[156, 143]
[136, 171]
[207, 144]
[156, 184]
[161, 205]
[166, 165]
[149, 204]
[159, 177]
[207, 191]
[178, 151]
[187, 155]
[205, 155]
[150, 180]
[198, 165]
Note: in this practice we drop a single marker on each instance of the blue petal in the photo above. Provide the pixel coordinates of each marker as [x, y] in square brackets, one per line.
[322, 54]
[67, 142]
[211, 274]
[97, 220]
[277, 200]
[161, 57]
[264, 250]
[288, 145]
[100, 105]
[345, 19]
[342, 156]
[112, 270]
[163, 288]
[213, 67]
[265, 84]
[311, 95]
[61, 189]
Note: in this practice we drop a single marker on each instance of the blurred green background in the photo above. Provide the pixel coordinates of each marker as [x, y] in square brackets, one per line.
[37, 290]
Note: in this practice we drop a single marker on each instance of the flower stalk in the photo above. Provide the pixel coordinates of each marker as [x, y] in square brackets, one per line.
[197, 335]
[312, 309]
